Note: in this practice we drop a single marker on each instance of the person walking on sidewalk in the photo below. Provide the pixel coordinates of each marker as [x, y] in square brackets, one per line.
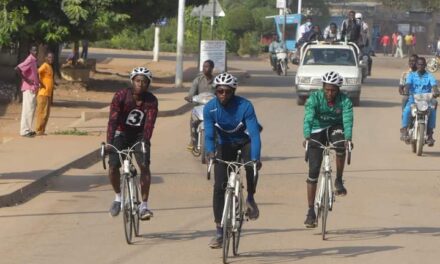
[399, 47]
[201, 84]
[385, 42]
[133, 113]
[408, 43]
[28, 72]
[45, 73]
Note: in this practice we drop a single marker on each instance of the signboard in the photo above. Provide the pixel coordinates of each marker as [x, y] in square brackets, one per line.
[208, 10]
[214, 50]
[281, 3]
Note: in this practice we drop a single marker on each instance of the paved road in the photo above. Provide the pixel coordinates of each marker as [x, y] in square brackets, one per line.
[391, 214]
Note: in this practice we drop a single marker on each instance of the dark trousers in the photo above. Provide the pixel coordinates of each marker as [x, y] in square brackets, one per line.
[228, 152]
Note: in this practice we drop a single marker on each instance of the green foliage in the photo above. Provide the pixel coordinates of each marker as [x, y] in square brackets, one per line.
[249, 44]
[239, 20]
[10, 21]
[72, 132]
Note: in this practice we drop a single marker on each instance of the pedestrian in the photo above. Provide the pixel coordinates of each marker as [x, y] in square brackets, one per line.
[28, 72]
[413, 43]
[408, 43]
[85, 49]
[399, 46]
[45, 93]
[385, 42]
[394, 42]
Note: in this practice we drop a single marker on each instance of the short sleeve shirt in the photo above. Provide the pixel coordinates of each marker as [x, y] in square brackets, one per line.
[420, 83]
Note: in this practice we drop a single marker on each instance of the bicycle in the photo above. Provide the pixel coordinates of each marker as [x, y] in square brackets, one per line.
[234, 210]
[130, 201]
[325, 196]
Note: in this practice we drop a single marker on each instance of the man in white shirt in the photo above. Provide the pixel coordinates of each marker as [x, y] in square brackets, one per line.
[306, 27]
[399, 47]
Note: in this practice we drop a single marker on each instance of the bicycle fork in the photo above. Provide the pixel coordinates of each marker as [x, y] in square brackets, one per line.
[230, 191]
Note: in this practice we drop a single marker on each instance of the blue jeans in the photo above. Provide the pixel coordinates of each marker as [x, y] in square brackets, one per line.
[406, 116]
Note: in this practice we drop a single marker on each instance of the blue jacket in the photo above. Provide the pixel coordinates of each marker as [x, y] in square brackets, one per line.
[235, 123]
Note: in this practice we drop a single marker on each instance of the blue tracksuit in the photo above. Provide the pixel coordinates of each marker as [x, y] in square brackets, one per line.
[235, 123]
[419, 84]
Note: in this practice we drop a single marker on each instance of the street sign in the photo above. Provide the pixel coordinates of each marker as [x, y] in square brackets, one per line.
[208, 10]
[281, 3]
[214, 50]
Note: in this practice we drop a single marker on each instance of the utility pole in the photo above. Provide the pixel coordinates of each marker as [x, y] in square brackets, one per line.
[299, 24]
[214, 2]
[180, 43]
[156, 42]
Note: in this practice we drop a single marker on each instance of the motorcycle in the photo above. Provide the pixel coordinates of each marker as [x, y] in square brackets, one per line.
[281, 66]
[197, 125]
[420, 111]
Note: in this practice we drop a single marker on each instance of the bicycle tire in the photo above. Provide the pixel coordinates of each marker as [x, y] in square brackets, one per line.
[137, 203]
[127, 210]
[227, 226]
[239, 218]
[325, 207]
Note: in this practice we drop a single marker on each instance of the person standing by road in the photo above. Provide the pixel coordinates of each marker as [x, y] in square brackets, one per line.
[408, 43]
[28, 72]
[133, 113]
[45, 94]
[394, 42]
[413, 43]
[385, 42]
[399, 46]
[328, 117]
[201, 84]
[232, 121]
[85, 49]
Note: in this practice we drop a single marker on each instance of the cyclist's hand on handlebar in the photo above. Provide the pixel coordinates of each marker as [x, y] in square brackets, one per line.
[210, 155]
[259, 164]
[348, 144]
[305, 142]
[188, 99]
[401, 90]
[107, 149]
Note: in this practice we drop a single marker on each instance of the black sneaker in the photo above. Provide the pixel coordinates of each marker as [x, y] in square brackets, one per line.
[115, 208]
[430, 141]
[252, 210]
[310, 219]
[339, 187]
[29, 135]
[216, 242]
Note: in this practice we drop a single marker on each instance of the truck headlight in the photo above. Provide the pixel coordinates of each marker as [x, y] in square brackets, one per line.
[303, 80]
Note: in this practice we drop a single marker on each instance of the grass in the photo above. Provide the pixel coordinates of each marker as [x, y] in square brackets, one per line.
[71, 132]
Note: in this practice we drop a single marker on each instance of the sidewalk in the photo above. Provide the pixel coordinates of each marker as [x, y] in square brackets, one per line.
[28, 164]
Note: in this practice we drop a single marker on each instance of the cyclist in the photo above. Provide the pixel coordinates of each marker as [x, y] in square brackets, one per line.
[416, 83]
[133, 113]
[328, 118]
[412, 63]
[201, 84]
[232, 118]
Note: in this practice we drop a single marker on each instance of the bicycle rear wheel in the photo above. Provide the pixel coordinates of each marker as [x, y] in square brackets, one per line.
[325, 206]
[239, 217]
[127, 210]
[137, 203]
[227, 225]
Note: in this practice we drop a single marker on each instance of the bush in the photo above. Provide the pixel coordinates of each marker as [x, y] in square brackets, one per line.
[249, 45]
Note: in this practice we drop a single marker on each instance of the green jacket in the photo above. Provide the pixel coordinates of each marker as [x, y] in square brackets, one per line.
[319, 115]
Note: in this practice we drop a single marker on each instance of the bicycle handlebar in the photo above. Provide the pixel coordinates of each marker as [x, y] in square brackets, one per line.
[126, 151]
[233, 164]
[331, 147]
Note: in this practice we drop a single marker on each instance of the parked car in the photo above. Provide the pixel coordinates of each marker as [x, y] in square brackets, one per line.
[317, 58]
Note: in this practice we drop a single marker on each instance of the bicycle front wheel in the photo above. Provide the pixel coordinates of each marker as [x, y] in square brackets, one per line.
[227, 225]
[137, 203]
[127, 210]
[325, 206]
[239, 217]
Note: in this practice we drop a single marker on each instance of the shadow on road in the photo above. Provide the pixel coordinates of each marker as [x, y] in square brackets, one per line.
[79, 104]
[378, 104]
[376, 233]
[287, 256]
[280, 158]
[381, 82]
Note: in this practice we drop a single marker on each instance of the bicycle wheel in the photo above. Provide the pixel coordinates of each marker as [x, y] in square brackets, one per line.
[127, 210]
[227, 225]
[325, 206]
[137, 204]
[239, 217]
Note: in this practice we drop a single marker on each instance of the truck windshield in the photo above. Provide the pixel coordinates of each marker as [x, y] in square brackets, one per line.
[340, 57]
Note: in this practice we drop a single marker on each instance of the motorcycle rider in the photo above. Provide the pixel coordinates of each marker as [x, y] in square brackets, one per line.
[232, 121]
[419, 82]
[331, 32]
[328, 118]
[201, 84]
[412, 63]
[275, 45]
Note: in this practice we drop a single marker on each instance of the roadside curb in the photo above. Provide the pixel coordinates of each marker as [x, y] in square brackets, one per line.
[36, 187]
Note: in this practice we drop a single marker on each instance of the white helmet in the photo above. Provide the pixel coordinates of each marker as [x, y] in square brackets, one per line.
[332, 78]
[226, 79]
[141, 71]
[358, 16]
